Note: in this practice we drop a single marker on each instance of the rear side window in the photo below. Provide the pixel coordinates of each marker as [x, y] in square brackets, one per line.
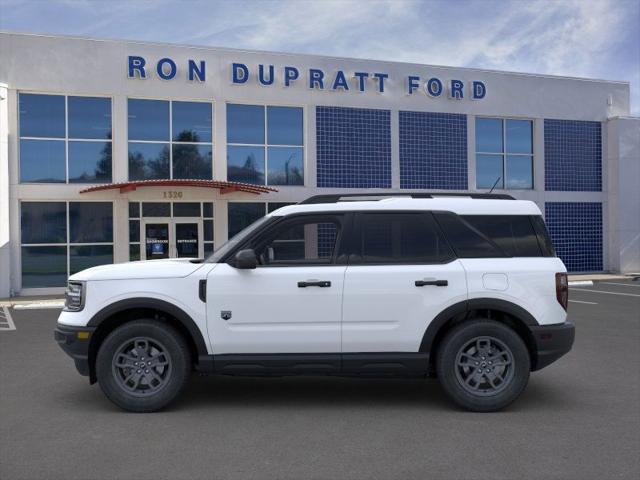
[514, 234]
[544, 240]
[466, 240]
[401, 238]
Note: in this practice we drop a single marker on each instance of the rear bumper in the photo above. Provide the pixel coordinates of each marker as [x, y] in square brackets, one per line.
[75, 345]
[552, 342]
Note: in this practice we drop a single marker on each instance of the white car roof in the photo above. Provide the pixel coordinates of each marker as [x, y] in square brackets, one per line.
[459, 205]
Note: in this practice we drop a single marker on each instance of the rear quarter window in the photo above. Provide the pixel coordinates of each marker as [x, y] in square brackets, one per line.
[514, 234]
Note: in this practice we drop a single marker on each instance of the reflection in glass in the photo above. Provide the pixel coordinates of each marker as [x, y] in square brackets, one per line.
[134, 210]
[208, 230]
[284, 126]
[87, 256]
[41, 115]
[89, 162]
[519, 171]
[519, 133]
[156, 209]
[285, 166]
[148, 119]
[134, 230]
[157, 240]
[192, 161]
[191, 121]
[489, 135]
[42, 161]
[245, 164]
[207, 209]
[245, 124]
[186, 209]
[488, 171]
[134, 252]
[89, 117]
[187, 243]
[90, 222]
[148, 161]
[43, 222]
[44, 267]
[242, 215]
[208, 249]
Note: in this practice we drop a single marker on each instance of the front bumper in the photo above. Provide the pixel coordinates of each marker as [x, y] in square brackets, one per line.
[75, 343]
[552, 342]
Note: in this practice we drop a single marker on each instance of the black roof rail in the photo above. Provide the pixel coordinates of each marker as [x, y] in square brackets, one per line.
[336, 197]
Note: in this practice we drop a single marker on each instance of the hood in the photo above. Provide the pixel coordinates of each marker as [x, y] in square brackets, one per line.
[152, 269]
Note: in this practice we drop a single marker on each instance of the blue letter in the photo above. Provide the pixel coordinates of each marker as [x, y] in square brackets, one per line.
[194, 71]
[172, 68]
[456, 90]
[290, 74]
[340, 81]
[361, 76]
[479, 90]
[239, 67]
[261, 75]
[136, 64]
[413, 85]
[381, 77]
[433, 87]
[316, 77]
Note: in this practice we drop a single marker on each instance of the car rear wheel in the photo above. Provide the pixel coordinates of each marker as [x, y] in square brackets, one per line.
[143, 365]
[483, 365]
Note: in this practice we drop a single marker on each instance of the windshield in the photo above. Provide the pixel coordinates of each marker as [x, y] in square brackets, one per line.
[239, 237]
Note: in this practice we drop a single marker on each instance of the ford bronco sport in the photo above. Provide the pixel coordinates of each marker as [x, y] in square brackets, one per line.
[466, 288]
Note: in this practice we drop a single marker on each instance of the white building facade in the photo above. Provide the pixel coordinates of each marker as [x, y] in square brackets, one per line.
[112, 151]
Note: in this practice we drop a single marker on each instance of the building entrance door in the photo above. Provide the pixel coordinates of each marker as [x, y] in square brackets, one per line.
[172, 238]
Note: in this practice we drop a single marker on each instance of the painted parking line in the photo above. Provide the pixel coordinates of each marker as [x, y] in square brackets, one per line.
[622, 284]
[6, 322]
[602, 291]
[580, 301]
[39, 305]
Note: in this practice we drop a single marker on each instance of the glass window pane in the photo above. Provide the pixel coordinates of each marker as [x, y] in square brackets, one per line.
[191, 209]
[90, 222]
[488, 170]
[41, 115]
[303, 241]
[207, 210]
[134, 252]
[44, 267]
[519, 136]
[89, 117]
[89, 162]
[512, 233]
[489, 135]
[42, 161]
[191, 121]
[242, 215]
[273, 206]
[148, 161]
[519, 171]
[285, 166]
[245, 164]
[192, 161]
[208, 230]
[284, 126]
[208, 249]
[43, 222]
[134, 210]
[156, 209]
[134, 230]
[245, 124]
[148, 120]
[88, 256]
[466, 242]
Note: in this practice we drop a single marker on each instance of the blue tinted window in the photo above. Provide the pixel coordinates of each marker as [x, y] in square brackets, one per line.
[44, 267]
[191, 122]
[148, 120]
[192, 161]
[519, 172]
[42, 161]
[43, 222]
[41, 115]
[87, 256]
[90, 222]
[242, 215]
[245, 124]
[284, 126]
[89, 162]
[489, 135]
[148, 160]
[488, 171]
[285, 166]
[518, 135]
[89, 117]
[245, 164]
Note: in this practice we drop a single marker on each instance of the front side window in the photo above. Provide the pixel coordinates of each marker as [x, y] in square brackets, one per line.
[265, 144]
[170, 139]
[65, 139]
[504, 153]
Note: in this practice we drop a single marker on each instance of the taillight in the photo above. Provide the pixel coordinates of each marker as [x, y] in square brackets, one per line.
[562, 289]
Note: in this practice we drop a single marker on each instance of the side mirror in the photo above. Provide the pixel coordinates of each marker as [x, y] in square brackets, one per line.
[246, 259]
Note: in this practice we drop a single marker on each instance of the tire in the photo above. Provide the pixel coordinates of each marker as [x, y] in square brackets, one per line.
[483, 365]
[136, 388]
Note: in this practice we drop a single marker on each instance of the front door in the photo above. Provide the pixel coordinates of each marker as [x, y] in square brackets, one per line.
[290, 303]
[172, 238]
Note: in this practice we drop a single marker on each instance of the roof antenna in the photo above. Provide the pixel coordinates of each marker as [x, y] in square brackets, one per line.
[494, 184]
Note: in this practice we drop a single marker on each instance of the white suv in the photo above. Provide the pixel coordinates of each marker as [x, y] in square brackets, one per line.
[466, 288]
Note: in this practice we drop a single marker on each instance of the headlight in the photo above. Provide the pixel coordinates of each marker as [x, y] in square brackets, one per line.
[74, 297]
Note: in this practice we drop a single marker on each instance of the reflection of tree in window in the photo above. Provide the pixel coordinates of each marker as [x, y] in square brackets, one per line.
[188, 161]
[248, 172]
[141, 168]
[291, 175]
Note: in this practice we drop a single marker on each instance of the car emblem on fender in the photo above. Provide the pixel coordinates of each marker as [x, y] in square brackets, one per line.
[225, 314]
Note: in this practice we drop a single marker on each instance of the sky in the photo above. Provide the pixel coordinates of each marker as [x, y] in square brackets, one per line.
[579, 38]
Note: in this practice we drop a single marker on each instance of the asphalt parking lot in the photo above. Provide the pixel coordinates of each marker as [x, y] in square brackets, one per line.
[578, 419]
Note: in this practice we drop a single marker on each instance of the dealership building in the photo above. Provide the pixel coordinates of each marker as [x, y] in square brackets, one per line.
[112, 151]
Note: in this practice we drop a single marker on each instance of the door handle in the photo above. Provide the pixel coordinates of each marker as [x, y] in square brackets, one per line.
[437, 283]
[314, 283]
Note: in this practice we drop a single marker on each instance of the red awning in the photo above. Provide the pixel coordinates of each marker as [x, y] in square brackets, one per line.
[224, 187]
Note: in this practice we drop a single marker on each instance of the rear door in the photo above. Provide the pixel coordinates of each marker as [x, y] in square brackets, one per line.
[402, 275]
